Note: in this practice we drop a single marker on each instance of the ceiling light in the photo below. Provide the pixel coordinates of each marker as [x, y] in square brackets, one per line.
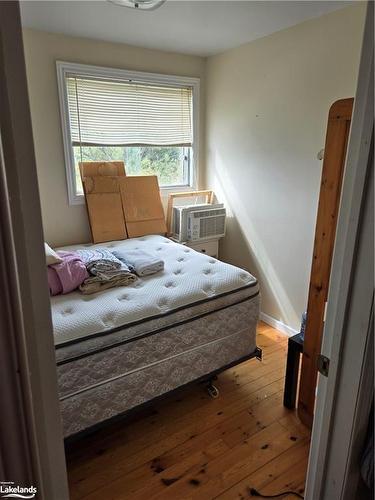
[139, 4]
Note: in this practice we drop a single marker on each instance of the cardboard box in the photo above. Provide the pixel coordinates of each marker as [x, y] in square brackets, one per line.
[142, 206]
[102, 168]
[121, 206]
[100, 182]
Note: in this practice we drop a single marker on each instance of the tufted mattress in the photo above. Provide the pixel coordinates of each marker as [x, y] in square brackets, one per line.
[122, 347]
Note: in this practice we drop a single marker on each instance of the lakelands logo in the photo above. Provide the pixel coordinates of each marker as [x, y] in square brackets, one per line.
[11, 490]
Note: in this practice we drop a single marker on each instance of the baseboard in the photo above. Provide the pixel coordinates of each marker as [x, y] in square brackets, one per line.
[279, 325]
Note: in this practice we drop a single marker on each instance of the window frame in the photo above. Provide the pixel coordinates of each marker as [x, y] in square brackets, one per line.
[66, 68]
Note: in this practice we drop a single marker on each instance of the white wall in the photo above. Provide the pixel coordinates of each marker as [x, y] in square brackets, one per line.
[266, 113]
[64, 224]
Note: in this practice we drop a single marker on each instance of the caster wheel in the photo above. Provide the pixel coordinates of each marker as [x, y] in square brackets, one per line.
[213, 391]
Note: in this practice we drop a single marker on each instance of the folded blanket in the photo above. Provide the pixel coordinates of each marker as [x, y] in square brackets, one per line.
[99, 259]
[98, 283]
[106, 271]
[143, 263]
[67, 275]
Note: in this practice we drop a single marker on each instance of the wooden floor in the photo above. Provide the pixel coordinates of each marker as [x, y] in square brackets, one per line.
[194, 447]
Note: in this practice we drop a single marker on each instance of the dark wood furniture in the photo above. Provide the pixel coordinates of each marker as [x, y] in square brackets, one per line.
[295, 349]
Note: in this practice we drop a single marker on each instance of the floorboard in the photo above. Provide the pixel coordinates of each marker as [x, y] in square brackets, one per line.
[192, 447]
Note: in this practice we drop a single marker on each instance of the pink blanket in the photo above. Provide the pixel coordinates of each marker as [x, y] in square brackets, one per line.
[67, 275]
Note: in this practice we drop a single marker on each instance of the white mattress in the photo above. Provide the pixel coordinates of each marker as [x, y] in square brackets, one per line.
[189, 278]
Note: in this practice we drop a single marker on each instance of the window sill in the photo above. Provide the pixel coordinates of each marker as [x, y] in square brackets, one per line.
[165, 191]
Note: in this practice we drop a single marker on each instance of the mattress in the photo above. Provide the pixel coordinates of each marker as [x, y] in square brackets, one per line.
[191, 284]
[120, 348]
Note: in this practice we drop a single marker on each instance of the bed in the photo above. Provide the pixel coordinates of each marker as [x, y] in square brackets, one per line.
[121, 348]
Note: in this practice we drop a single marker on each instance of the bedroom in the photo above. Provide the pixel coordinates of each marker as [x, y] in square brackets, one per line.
[258, 80]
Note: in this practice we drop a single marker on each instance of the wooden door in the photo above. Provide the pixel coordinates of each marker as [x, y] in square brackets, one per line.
[329, 200]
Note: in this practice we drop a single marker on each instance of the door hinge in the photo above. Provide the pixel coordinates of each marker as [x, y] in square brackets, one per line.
[323, 365]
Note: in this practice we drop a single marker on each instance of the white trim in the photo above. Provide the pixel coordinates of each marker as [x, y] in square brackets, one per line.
[74, 199]
[279, 325]
[63, 68]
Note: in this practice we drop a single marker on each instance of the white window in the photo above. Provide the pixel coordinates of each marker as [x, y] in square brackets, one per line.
[147, 120]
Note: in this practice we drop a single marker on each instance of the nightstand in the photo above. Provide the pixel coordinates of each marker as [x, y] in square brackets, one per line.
[295, 350]
[208, 247]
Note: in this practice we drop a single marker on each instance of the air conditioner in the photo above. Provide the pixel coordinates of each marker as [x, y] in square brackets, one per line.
[198, 222]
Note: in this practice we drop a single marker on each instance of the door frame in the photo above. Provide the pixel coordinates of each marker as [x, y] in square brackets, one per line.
[31, 447]
[327, 470]
[338, 129]
[33, 328]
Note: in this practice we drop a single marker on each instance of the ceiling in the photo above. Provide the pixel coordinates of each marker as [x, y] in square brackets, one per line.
[193, 27]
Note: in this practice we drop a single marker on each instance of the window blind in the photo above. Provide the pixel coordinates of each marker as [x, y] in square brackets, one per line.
[116, 113]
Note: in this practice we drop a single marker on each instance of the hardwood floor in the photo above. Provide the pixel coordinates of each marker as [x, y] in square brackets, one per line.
[194, 447]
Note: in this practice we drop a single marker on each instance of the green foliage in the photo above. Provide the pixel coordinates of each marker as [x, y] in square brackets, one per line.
[165, 162]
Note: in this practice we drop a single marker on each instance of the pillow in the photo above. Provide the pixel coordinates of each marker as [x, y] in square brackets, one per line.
[51, 255]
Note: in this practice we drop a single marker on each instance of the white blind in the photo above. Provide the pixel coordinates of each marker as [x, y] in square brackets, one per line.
[115, 113]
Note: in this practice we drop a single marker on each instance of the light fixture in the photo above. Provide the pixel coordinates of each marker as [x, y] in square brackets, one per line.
[139, 4]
